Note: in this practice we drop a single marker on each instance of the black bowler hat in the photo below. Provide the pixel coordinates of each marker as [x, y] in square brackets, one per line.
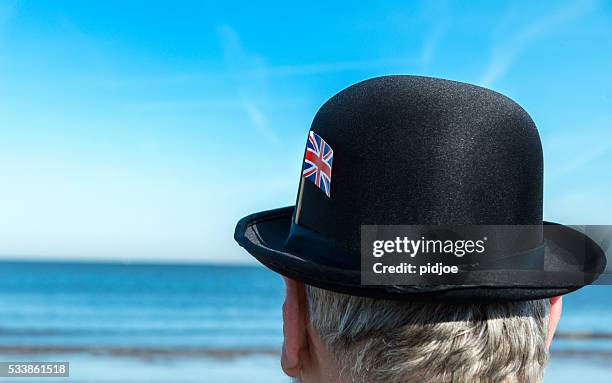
[408, 150]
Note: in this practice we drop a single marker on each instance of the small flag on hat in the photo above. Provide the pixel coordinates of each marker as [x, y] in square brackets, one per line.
[318, 162]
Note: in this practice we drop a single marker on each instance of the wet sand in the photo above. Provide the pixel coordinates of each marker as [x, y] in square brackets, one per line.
[156, 365]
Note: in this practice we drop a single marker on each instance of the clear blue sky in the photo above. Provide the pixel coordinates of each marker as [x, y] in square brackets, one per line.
[144, 130]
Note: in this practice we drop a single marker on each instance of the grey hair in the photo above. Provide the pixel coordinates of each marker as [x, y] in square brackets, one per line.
[382, 341]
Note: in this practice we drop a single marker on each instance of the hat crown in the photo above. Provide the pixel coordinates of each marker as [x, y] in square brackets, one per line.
[417, 150]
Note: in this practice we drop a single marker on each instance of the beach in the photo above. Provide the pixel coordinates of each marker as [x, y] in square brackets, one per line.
[195, 323]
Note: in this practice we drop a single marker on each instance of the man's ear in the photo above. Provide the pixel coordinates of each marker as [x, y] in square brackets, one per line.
[554, 315]
[294, 327]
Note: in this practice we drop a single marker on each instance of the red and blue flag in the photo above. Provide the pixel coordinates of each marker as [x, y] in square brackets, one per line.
[318, 162]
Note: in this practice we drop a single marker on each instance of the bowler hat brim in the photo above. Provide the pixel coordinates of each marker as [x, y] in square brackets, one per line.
[567, 252]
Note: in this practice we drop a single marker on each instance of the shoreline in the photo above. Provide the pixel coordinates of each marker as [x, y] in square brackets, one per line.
[141, 352]
[583, 335]
[150, 353]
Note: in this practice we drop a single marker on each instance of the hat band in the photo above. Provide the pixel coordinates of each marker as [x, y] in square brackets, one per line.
[315, 247]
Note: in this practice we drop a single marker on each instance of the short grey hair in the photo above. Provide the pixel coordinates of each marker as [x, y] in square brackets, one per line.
[383, 341]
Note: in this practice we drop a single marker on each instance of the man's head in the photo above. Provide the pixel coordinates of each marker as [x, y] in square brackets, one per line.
[426, 153]
[332, 337]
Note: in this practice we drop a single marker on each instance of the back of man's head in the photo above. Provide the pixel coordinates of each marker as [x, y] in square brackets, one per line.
[374, 341]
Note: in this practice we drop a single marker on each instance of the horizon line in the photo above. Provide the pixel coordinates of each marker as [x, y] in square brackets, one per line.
[128, 262]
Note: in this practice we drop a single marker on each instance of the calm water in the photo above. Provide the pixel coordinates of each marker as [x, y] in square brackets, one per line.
[98, 315]
[139, 306]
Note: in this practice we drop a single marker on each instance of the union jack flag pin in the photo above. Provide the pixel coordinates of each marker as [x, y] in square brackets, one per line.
[318, 162]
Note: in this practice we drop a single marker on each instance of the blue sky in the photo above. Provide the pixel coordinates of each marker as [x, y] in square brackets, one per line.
[143, 131]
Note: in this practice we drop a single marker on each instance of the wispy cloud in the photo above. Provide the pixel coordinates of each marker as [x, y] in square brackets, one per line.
[575, 172]
[598, 150]
[437, 16]
[338, 66]
[270, 71]
[250, 74]
[504, 55]
[579, 206]
[570, 154]
[213, 102]
[238, 58]
[259, 120]
[246, 68]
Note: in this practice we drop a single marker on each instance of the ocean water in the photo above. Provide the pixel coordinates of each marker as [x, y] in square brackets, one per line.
[185, 323]
[139, 306]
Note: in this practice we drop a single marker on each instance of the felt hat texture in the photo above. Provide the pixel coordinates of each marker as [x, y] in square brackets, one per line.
[411, 150]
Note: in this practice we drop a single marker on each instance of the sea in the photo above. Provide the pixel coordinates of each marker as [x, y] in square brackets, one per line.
[204, 323]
